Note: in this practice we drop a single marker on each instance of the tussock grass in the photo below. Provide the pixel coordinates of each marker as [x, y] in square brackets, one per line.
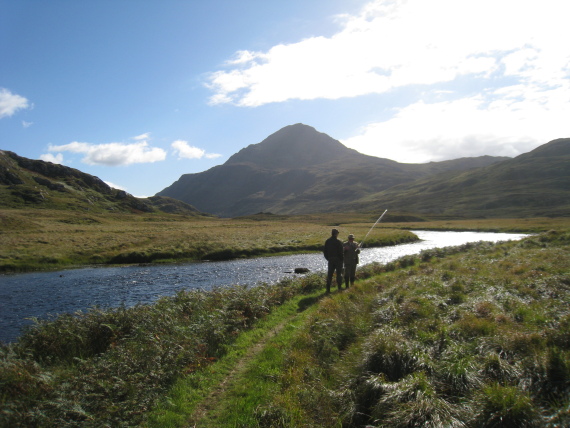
[473, 336]
[109, 368]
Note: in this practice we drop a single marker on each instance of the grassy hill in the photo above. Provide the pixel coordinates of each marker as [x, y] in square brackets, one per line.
[27, 183]
[532, 184]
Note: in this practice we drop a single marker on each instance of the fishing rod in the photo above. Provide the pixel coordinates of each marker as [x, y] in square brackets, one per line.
[377, 221]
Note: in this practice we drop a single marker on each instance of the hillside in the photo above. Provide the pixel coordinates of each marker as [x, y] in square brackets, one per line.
[532, 184]
[26, 183]
[299, 170]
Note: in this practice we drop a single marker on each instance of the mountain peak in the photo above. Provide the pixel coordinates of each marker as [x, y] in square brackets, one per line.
[294, 146]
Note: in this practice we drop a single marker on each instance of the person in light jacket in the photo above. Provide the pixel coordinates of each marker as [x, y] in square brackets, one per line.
[333, 253]
[351, 251]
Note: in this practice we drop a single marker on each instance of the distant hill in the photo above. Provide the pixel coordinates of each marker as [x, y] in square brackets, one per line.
[35, 183]
[532, 184]
[299, 170]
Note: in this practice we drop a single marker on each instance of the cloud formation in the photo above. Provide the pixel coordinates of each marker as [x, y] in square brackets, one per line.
[185, 151]
[393, 44]
[10, 103]
[48, 157]
[508, 122]
[114, 186]
[478, 73]
[113, 154]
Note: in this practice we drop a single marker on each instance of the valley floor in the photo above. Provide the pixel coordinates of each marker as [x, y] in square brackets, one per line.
[470, 336]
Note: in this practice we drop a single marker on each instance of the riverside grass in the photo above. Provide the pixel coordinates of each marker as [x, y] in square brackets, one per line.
[51, 239]
[479, 334]
[110, 367]
[472, 336]
[34, 239]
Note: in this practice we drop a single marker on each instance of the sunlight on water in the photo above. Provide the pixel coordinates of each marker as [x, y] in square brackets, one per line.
[42, 294]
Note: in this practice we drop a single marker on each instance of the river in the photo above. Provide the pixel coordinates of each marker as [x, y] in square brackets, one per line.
[45, 294]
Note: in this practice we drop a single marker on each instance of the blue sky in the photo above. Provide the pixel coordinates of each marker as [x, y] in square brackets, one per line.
[139, 92]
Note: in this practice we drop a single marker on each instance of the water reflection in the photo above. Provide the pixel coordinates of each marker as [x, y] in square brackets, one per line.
[40, 294]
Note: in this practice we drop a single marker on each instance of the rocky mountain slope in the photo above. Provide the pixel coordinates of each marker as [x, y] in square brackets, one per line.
[34, 183]
[299, 170]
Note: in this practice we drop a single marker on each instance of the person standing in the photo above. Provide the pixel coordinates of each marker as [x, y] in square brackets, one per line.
[350, 255]
[333, 253]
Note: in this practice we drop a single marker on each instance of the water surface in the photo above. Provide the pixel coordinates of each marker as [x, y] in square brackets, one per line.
[45, 294]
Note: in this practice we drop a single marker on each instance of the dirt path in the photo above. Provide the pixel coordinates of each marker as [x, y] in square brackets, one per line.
[213, 399]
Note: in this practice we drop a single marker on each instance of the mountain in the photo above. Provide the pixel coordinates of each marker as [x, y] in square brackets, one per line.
[299, 170]
[34, 183]
[536, 184]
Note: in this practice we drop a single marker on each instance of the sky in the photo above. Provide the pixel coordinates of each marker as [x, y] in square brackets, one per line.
[139, 92]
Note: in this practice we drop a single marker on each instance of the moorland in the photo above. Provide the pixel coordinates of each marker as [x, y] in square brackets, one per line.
[473, 336]
[54, 239]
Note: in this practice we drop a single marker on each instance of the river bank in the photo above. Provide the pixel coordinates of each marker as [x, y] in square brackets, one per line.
[42, 295]
[474, 336]
[49, 240]
[494, 312]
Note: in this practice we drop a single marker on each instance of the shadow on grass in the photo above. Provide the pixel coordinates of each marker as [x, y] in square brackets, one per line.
[309, 301]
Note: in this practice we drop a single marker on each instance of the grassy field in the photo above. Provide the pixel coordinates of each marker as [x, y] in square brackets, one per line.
[50, 239]
[471, 336]
[55, 239]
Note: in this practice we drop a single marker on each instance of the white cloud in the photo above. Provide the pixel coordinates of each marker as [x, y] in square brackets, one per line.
[186, 151]
[113, 154]
[482, 77]
[10, 103]
[393, 44]
[145, 136]
[48, 157]
[507, 122]
[27, 124]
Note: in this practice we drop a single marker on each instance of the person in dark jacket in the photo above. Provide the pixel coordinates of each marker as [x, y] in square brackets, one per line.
[333, 253]
[351, 252]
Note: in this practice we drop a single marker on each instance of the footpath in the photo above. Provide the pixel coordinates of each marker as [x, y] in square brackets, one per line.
[237, 382]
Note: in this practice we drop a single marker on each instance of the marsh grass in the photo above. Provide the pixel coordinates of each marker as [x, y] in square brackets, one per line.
[473, 336]
[51, 239]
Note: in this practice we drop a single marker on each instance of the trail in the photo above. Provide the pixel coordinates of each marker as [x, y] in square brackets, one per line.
[215, 397]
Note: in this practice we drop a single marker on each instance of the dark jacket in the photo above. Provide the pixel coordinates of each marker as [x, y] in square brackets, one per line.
[333, 249]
